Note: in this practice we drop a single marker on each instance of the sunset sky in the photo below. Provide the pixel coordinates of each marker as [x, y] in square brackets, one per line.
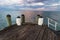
[44, 5]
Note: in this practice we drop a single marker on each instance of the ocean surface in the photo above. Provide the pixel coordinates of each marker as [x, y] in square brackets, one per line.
[3, 20]
[55, 15]
[51, 14]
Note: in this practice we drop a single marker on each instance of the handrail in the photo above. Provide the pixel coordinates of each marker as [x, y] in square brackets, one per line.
[52, 20]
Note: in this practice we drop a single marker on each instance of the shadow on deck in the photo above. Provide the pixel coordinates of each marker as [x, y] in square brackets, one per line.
[28, 31]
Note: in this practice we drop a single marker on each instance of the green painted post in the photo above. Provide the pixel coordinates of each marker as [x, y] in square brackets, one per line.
[22, 19]
[38, 16]
[9, 20]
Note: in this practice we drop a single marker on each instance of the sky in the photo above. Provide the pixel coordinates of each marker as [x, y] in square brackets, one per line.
[43, 5]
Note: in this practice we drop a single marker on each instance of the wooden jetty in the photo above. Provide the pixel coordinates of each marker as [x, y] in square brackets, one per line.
[28, 31]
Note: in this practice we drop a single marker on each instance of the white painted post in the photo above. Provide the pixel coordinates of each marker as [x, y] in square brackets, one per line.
[40, 21]
[55, 25]
[48, 22]
[18, 21]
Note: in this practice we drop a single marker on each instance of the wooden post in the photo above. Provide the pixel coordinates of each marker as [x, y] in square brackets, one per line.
[40, 20]
[9, 20]
[18, 21]
[37, 18]
[22, 19]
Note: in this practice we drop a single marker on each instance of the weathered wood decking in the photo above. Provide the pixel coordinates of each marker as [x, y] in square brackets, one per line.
[28, 32]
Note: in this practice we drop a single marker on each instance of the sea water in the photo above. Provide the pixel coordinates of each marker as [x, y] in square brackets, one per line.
[3, 21]
[51, 14]
[55, 15]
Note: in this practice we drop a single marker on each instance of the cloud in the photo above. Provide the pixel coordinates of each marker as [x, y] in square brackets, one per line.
[53, 4]
[35, 4]
[35, 1]
[30, 1]
[10, 2]
[30, 4]
[40, 9]
[40, 3]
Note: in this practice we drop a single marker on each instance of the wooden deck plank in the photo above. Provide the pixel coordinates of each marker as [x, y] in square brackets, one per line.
[45, 35]
[28, 32]
[8, 34]
[33, 34]
[24, 34]
[41, 34]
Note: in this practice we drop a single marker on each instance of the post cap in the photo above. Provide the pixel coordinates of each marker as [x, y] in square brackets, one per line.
[22, 14]
[18, 17]
[41, 17]
[8, 15]
[38, 15]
